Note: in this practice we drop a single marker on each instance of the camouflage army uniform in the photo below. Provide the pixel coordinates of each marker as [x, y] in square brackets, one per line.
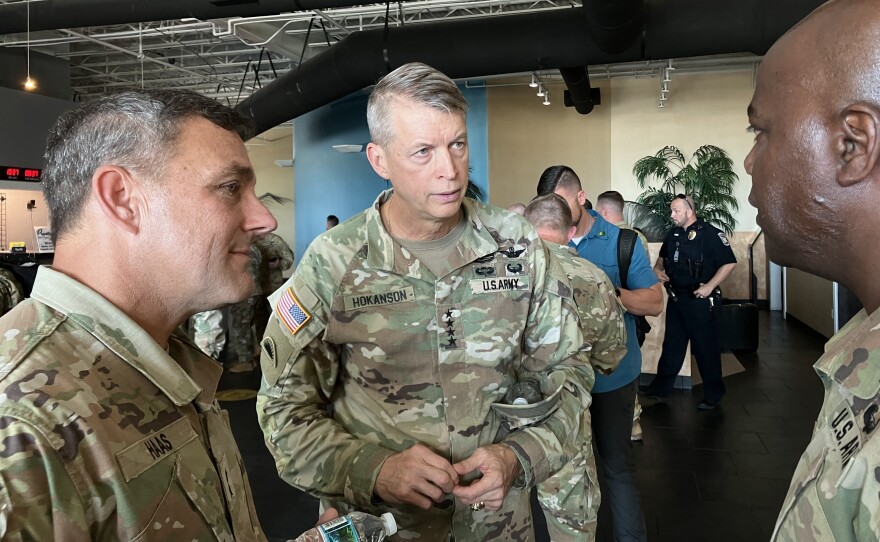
[835, 492]
[570, 498]
[208, 333]
[10, 291]
[242, 336]
[105, 435]
[406, 357]
[637, 407]
[272, 249]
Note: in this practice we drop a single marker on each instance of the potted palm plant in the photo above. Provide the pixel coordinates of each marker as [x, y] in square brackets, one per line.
[708, 177]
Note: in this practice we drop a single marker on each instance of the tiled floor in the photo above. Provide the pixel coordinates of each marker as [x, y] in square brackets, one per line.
[705, 476]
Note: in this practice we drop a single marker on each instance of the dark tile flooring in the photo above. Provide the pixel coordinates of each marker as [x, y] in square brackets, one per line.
[704, 476]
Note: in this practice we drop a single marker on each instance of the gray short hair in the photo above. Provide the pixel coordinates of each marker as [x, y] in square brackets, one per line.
[549, 211]
[136, 130]
[418, 83]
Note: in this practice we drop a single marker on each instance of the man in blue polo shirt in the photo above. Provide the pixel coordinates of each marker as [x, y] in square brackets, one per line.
[613, 395]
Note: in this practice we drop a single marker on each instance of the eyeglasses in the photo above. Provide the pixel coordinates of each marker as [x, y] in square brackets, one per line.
[685, 198]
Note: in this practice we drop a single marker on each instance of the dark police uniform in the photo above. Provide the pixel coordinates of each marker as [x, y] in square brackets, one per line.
[692, 256]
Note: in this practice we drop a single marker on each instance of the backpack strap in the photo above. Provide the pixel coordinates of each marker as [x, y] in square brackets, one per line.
[626, 243]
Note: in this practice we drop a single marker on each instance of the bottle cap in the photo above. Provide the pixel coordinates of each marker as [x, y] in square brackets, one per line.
[389, 523]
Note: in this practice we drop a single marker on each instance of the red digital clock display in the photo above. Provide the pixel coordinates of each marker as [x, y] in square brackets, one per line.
[14, 173]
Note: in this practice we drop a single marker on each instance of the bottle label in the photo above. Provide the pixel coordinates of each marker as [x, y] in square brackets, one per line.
[339, 530]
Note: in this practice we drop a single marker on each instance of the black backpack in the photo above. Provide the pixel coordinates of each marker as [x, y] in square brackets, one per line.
[626, 244]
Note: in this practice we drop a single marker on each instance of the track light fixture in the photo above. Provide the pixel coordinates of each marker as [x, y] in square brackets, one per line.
[541, 91]
[534, 83]
[547, 98]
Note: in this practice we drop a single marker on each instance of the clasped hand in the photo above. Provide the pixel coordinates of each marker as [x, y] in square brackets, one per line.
[420, 477]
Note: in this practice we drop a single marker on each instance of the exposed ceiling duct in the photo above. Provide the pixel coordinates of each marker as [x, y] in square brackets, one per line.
[601, 32]
[464, 49]
[523, 43]
[55, 14]
[580, 95]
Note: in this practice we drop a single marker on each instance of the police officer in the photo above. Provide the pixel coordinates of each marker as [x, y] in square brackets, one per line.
[695, 258]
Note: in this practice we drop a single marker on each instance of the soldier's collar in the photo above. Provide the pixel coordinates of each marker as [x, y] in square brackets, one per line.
[116, 331]
[476, 241]
[601, 228]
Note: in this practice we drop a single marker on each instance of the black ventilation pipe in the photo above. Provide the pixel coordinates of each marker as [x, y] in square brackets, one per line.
[471, 48]
[614, 25]
[579, 94]
[518, 43]
[55, 14]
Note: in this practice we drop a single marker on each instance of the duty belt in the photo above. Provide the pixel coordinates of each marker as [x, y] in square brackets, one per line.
[687, 291]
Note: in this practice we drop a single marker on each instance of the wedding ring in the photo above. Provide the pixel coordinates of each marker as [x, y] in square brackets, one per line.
[477, 506]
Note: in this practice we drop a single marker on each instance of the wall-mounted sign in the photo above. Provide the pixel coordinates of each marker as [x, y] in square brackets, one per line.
[16, 173]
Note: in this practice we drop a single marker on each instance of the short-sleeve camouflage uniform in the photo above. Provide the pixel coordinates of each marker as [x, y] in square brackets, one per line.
[835, 492]
[406, 357]
[570, 498]
[105, 435]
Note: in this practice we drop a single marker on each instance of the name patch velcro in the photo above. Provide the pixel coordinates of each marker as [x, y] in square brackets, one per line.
[405, 295]
[153, 448]
[485, 286]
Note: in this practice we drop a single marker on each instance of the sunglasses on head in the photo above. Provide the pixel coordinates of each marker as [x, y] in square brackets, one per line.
[685, 198]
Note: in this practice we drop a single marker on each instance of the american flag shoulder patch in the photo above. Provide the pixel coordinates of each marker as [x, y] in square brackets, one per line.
[291, 311]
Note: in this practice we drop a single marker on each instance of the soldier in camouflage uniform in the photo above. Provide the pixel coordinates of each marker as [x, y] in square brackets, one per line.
[411, 320]
[208, 333]
[110, 426]
[242, 335]
[10, 291]
[275, 258]
[815, 169]
[570, 498]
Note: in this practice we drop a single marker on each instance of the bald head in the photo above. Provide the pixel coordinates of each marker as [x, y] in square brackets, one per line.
[833, 53]
[815, 165]
[551, 216]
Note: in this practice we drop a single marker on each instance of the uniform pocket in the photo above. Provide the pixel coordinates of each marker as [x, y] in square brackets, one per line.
[190, 509]
[804, 485]
[236, 488]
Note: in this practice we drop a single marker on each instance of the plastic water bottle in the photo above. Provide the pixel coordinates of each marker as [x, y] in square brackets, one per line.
[355, 527]
[524, 392]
